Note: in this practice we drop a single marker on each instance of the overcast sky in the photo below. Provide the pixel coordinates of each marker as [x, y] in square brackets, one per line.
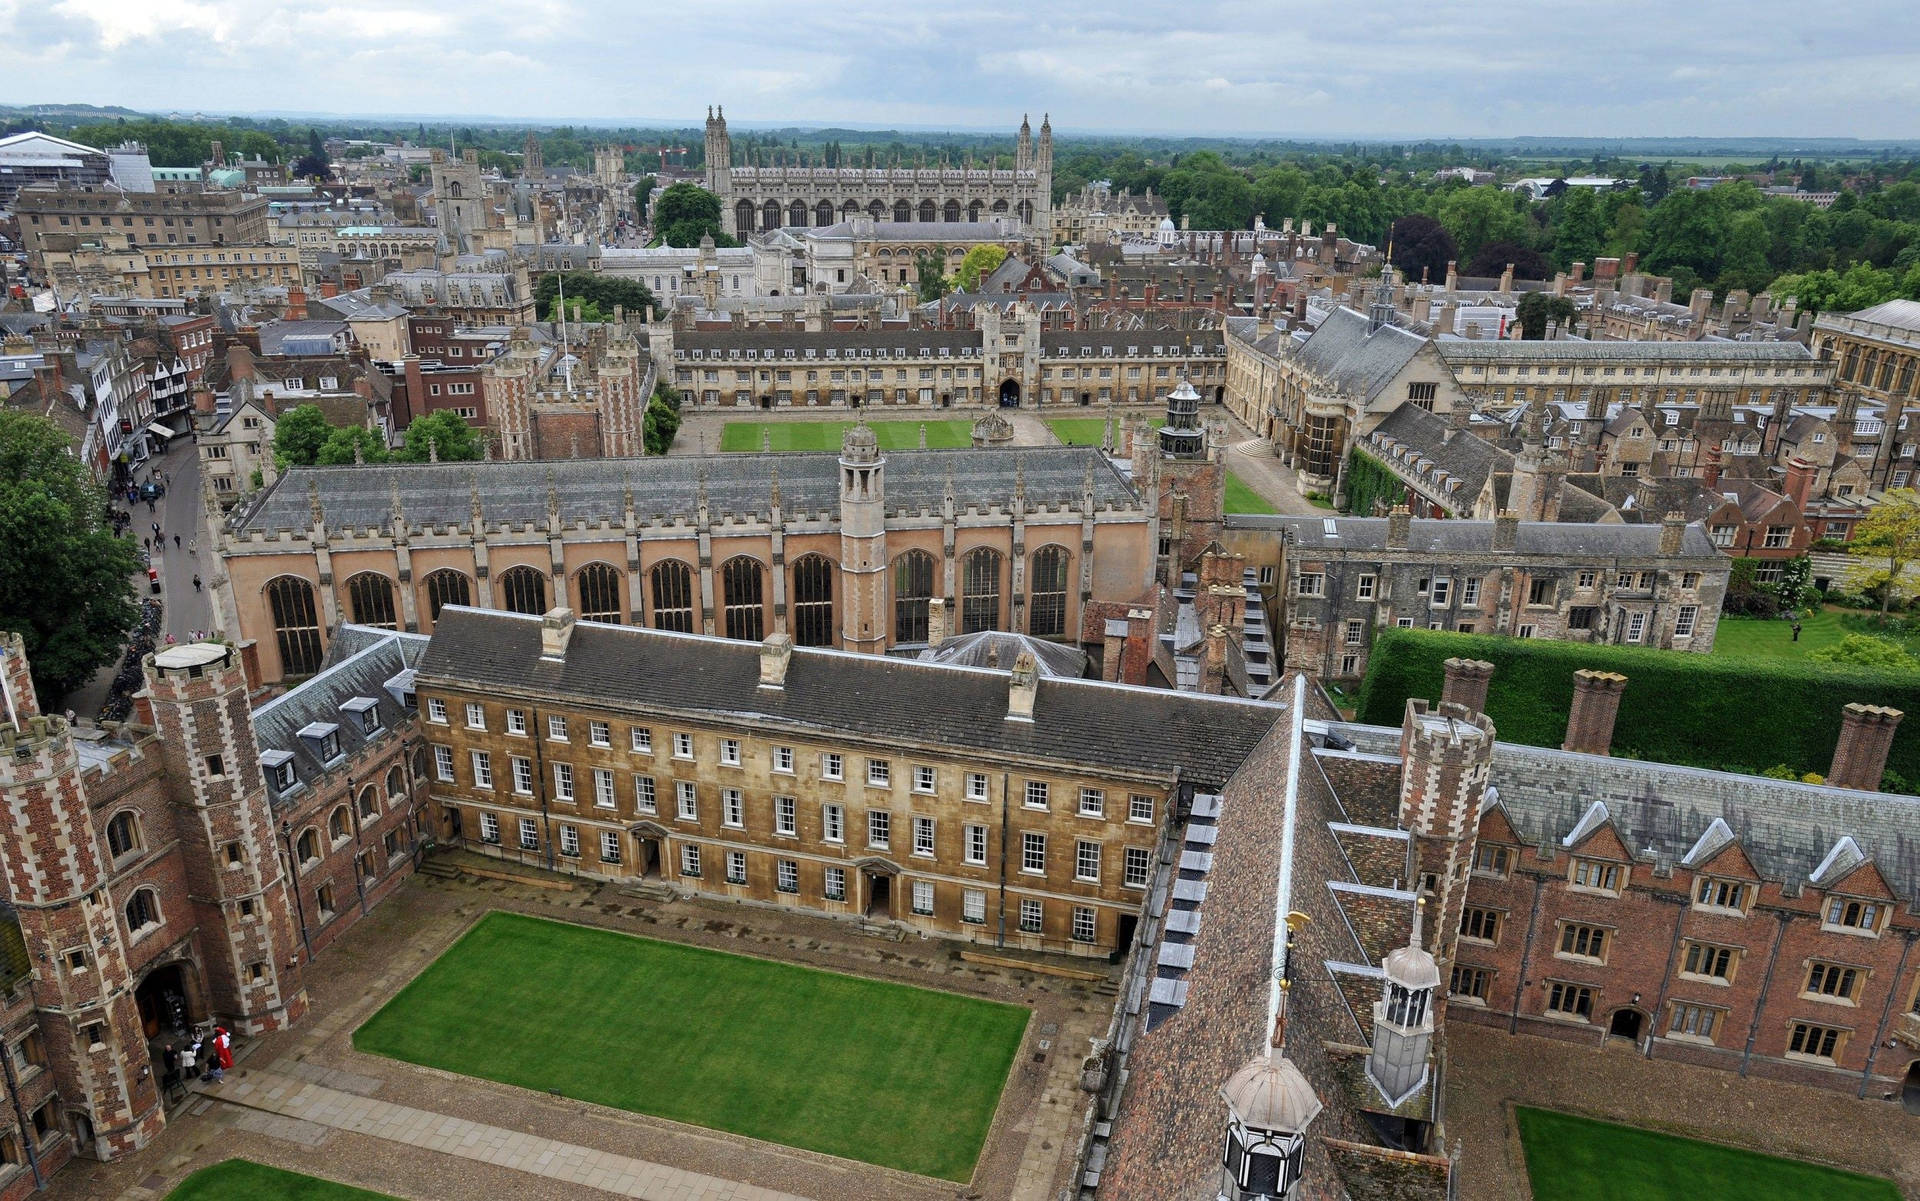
[1305, 67]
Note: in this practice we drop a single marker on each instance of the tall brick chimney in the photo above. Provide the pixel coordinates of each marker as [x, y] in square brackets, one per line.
[1444, 756]
[1596, 703]
[1866, 736]
[1399, 527]
[1466, 683]
[1799, 485]
[1673, 534]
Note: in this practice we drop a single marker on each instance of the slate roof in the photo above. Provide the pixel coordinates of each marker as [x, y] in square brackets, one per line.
[664, 489]
[1344, 354]
[1786, 828]
[886, 701]
[1444, 537]
[359, 665]
[1568, 350]
[1900, 314]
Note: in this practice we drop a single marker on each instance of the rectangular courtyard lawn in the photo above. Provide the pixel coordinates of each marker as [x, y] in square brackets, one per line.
[1575, 1159]
[826, 435]
[1243, 499]
[885, 1073]
[244, 1180]
[1087, 431]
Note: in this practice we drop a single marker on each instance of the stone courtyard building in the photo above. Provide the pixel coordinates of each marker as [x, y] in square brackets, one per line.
[761, 199]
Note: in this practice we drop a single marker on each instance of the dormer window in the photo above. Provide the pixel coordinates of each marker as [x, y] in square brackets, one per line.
[278, 766]
[324, 739]
[1860, 917]
[366, 711]
[1732, 895]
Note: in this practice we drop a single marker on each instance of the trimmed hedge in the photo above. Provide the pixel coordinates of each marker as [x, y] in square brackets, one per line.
[1679, 707]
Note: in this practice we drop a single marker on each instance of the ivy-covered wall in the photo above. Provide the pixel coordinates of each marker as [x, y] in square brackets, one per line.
[1369, 480]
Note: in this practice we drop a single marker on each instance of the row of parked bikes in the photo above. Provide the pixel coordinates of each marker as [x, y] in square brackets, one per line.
[130, 679]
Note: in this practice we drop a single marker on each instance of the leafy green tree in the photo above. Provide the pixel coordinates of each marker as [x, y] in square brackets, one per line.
[577, 310]
[661, 421]
[1537, 309]
[1578, 227]
[1865, 650]
[642, 193]
[684, 214]
[443, 435]
[1886, 540]
[1422, 246]
[1477, 216]
[982, 260]
[66, 579]
[339, 447]
[603, 293]
[929, 272]
[298, 436]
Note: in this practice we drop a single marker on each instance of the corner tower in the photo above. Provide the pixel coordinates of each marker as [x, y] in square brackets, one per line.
[57, 875]
[863, 541]
[720, 166]
[1444, 755]
[242, 911]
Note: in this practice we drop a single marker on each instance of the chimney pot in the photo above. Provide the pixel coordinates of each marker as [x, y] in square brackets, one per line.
[936, 621]
[1399, 527]
[1506, 529]
[1023, 688]
[1466, 683]
[1866, 738]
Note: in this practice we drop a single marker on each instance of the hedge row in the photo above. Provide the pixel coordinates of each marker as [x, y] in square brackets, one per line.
[1697, 710]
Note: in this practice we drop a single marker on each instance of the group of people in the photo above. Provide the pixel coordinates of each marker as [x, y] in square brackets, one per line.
[208, 1055]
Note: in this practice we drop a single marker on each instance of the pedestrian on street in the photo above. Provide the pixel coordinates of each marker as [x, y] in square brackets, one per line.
[193, 546]
[156, 529]
[146, 543]
[196, 583]
[176, 542]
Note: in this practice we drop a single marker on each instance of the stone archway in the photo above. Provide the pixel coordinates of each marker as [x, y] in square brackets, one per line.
[1010, 393]
[1910, 1095]
[1627, 1023]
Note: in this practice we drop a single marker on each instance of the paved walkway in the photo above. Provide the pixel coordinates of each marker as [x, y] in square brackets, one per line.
[305, 1101]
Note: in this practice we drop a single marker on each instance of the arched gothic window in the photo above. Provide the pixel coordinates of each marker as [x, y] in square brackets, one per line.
[742, 594]
[1047, 593]
[813, 600]
[902, 211]
[123, 834]
[600, 593]
[673, 596]
[912, 589]
[370, 597]
[523, 589]
[296, 624]
[447, 587]
[980, 591]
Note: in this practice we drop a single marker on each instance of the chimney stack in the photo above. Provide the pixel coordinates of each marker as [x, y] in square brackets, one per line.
[1506, 529]
[936, 621]
[1399, 528]
[1673, 534]
[1866, 737]
[1023, 687]
[1596, 703]
[775, 654]
[1466, 683]
[556, 630]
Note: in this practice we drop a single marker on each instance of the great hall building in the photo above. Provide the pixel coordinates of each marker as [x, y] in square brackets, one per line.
[849, 551]
[759, 199]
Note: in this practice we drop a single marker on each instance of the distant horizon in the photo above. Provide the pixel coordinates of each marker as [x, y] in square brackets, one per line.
[1382, 72]
[498, 121]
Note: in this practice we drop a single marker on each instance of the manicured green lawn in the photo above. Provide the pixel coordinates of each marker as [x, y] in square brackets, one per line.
[826, 435]
[1243, 499]
[1087, 431]
[1772, 638]
[244, 1180]
[885, 1073]
[1574, 1159]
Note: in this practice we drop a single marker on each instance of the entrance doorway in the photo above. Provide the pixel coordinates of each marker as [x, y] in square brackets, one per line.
[162, 1000]
[1123, 937]
[1910, 1096]
[650, 858]
[1626, 1024]
[879, 895]
[1010, 394]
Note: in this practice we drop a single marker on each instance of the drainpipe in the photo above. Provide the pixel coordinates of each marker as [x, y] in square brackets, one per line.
[1766, 982]
[1886, 1015]
[1526, 955]
[1666, 977]
[1000, 937]
[540, 781]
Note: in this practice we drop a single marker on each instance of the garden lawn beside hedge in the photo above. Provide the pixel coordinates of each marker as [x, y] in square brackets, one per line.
[749, 436]
[1728, 712]
[244, 1180]
[1577, 1159]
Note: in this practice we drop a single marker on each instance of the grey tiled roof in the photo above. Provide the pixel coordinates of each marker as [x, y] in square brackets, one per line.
[359, 665]
[1598, 540]
[876, 698]
[1573, 350]
[664, 489]
[1786, 828]
[1344, 354]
